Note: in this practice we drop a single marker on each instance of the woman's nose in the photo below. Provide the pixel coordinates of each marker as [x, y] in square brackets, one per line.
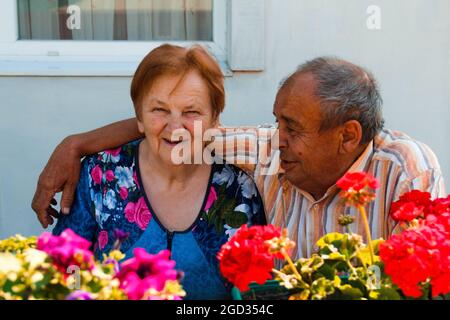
[174, 122]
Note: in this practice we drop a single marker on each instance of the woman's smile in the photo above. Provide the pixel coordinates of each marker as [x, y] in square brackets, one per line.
[171, 143]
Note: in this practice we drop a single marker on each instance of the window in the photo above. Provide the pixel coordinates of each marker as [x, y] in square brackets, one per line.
[131, 20]
[103, 37]
[110, 37]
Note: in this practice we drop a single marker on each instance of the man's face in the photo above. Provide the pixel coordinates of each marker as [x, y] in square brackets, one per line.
[308, 157]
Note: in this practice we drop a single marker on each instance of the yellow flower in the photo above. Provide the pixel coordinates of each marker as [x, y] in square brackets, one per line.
[35, 258]
[116, 255]
[9, 263]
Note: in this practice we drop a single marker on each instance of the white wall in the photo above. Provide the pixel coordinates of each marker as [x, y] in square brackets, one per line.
[410, 56]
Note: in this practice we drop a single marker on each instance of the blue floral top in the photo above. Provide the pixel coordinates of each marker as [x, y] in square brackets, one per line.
[110, 196]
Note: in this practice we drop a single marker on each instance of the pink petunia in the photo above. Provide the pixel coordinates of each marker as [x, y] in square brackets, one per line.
[97, 174]
[66, 250]
[144, 271]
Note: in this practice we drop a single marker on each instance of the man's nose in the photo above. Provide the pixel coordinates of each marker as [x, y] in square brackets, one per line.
[282, 139]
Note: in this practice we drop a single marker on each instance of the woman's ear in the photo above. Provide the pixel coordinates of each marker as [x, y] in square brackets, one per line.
[140, 126]
[216, 123]
[351, 135]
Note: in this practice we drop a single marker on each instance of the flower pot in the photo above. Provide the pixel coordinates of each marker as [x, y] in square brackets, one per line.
[271, 290]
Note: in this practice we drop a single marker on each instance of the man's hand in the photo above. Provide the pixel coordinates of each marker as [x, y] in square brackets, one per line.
[61, 173]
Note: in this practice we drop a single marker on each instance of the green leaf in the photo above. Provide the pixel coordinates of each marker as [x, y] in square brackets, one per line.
[384, 293]
[351, 292]
[236, 219]
[327, 271]
[359, 284]
[329, 239]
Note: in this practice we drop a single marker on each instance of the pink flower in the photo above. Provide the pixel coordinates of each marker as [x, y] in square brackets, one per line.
[114, 152]
[211, 198]
[66, 250]
[102, 239]
[137, 275]
[97, 174]
[138, 213]
[80, 295]
[123, 193]
[109, 175]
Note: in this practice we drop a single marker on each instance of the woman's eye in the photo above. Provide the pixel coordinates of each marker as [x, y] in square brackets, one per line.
[159, 110]
[192, 112]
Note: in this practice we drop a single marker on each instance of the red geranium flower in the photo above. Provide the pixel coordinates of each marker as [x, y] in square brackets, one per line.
[246, 258]
[418, 198]
[441, 284]
[415, 256]
[440, 221]
[357, 181]
[356, 187]
[407, 212]
[439, 206]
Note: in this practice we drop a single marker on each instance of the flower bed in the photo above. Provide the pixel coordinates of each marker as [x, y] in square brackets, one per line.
[62, 267]
[412, 264]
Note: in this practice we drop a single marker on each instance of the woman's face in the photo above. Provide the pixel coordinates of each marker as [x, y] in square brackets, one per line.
[174, 104]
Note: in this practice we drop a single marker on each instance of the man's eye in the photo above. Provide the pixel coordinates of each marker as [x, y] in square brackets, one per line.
[159, 110]
[192, 112]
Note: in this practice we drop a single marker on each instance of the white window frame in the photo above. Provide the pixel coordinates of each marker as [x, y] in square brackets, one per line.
[90, 58]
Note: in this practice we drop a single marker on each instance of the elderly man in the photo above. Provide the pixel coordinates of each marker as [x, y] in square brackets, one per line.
[330, 122]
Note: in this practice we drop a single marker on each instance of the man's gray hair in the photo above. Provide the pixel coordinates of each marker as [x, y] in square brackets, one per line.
[347, 92]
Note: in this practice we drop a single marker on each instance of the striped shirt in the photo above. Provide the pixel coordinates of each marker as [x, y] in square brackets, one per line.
[398, 162]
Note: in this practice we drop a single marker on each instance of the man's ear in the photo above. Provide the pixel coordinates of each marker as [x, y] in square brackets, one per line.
[351, 135]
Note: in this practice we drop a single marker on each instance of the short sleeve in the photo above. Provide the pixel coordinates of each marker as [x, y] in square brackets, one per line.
[81, 218]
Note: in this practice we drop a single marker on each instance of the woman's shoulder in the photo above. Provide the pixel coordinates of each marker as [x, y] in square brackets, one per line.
[226, 172]
[232, 177]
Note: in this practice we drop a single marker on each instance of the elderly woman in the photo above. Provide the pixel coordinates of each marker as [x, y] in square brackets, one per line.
[189, 209]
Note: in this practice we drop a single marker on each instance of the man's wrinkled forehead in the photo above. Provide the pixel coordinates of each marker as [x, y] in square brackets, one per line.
[297, 90]
[297, 102]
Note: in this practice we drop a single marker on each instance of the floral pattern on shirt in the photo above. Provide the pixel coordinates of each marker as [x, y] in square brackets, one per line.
[109, 197]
